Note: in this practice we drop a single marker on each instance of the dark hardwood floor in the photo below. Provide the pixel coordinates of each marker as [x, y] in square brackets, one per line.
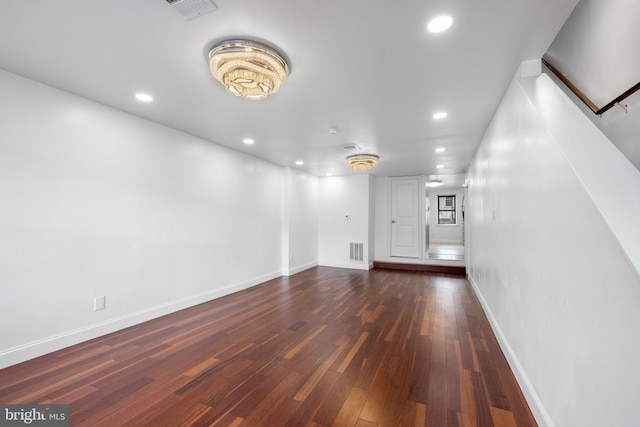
[325, 347]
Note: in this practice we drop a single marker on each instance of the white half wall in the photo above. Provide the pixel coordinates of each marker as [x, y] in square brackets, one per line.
[344, 217]
[553, 210]
[96, 202]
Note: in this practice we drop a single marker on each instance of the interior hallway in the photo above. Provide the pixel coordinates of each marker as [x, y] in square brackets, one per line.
[446, 251]
[323, 347]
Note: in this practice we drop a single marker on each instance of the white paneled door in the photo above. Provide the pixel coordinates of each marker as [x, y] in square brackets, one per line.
[405, 217]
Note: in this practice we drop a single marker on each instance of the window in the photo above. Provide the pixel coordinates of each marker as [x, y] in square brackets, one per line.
[447, 210]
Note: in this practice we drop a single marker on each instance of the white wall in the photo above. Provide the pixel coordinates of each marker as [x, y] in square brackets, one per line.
[621, 126]
[597, 48]
[339, 196]
[300, 248]
[382, 220]
[557, 267]
[445, 233]
[98, 202]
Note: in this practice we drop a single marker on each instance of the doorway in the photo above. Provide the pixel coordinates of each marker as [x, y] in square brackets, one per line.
[445, 223]
[405, 217]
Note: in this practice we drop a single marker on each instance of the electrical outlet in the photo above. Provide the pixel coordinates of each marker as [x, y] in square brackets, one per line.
[99, 303]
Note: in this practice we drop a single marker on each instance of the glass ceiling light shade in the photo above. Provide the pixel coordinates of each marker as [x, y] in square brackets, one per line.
[248, 69]
[362, 162]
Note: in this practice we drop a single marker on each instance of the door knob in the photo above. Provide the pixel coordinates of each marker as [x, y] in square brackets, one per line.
[393, 221]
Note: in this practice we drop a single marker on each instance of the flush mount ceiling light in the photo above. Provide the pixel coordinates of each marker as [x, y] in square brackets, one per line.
[362, 162]
[248, 69]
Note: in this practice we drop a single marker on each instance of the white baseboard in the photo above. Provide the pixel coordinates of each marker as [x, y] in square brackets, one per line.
[351, 265]
[31, 350]
[535, 404]
[300, 268]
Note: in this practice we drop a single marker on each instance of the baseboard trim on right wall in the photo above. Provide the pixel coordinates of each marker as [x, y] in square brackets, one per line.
[535, 404]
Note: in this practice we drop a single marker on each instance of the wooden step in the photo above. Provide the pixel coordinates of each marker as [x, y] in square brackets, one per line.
[456, 270]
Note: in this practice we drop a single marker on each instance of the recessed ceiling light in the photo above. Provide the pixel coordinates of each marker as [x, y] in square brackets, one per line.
[440, 150]
[439, 24]
[440, 115]
[299, 162]
[440, 166]
[248, 141]
[144, 97]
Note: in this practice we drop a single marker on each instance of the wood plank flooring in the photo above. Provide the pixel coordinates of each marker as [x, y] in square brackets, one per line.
[446, 251]
[325, 347]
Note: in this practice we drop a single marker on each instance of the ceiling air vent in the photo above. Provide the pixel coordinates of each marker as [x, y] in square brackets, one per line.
[351, 147]
[192, 8]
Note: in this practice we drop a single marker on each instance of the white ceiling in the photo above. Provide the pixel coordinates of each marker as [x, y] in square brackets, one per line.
[366, 67]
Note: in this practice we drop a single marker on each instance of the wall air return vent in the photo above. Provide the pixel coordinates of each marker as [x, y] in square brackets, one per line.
[356, 252]
[192, 8]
